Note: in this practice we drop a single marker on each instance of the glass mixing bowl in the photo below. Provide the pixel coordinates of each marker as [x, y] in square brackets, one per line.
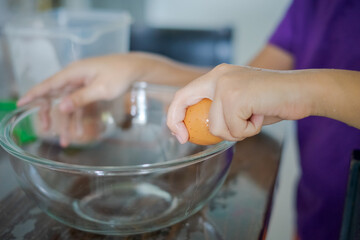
[129, 175]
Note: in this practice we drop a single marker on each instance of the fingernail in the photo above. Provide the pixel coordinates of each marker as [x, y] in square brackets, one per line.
[66, 105]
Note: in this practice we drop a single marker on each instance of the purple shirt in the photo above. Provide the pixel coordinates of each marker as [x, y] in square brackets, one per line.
[322, 34]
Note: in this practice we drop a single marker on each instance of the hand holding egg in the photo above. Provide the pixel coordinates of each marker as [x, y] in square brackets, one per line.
[238, 108]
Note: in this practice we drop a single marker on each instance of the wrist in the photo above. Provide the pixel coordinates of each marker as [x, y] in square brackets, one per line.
[139, 65]
[320, 89]
[305, 93]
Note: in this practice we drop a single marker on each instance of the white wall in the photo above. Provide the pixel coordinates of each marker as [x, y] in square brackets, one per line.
[253, 22]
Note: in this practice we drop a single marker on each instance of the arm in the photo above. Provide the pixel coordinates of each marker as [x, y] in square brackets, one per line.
[337, 105]
[245, 99]
[273, 57]
[104, 78]
[334, 94]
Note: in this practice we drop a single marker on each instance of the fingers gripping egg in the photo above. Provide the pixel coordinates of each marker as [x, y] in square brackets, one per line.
[197, 123]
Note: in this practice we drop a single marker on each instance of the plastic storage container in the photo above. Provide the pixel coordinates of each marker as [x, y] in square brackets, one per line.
[41, 45]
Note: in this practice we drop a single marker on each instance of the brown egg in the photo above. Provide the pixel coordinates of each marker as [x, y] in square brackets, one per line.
[197, 123]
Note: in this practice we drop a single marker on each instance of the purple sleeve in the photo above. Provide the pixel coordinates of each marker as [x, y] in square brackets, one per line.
[284, 33]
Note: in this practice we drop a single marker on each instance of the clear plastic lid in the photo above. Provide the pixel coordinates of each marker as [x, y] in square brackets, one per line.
[80, 26]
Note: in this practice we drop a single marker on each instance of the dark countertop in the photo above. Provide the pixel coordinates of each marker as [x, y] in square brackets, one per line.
[240, 210]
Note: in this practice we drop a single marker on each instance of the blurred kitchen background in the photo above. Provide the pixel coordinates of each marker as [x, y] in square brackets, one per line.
[201, 32]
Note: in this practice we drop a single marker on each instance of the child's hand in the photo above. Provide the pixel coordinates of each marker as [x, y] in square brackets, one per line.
[86, 81]
[244, 99]
[101, 78]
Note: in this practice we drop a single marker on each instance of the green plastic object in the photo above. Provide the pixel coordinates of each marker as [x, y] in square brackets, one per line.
[6, 106]
[24, 131]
